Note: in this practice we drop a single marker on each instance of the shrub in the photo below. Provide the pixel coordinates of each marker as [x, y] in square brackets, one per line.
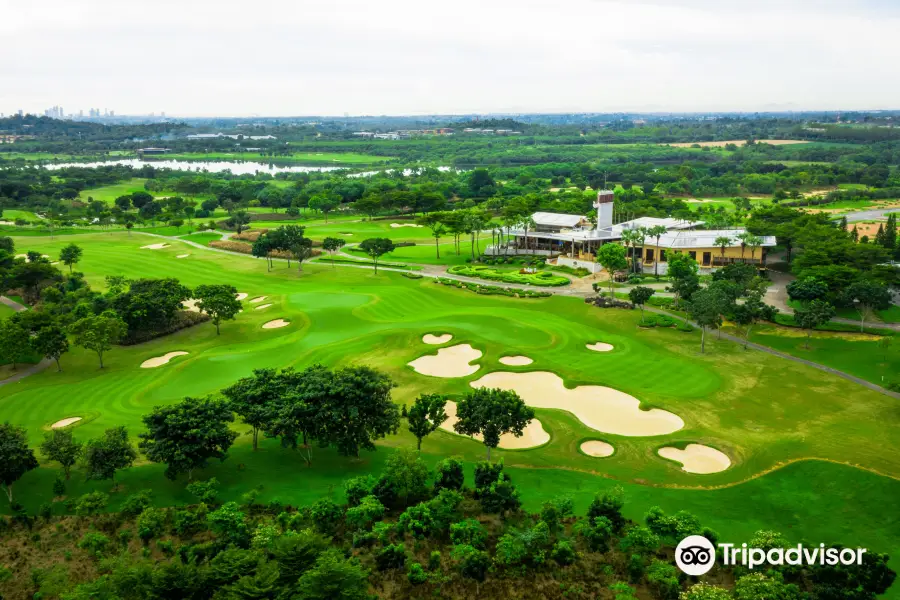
[416, 574]
[230, 524]
[358, 488]
[150, 523]
[59, 486]
[470, 532]
[434, 560]
[188, 522]
[46, 510]
[471, 562]
[563, 553]
[409, 275]
[449, 474]
[391, 557]
[663, 580]
[364, 515]
[326, 516]
[596, 533]
[94, 542]
[166, 547]
[136, 503]
[205, 491]
[91, 504]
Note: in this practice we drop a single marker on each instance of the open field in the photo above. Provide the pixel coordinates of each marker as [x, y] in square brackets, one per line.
[726, 398]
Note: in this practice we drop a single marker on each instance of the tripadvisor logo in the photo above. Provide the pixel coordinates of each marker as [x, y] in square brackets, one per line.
[696, 555]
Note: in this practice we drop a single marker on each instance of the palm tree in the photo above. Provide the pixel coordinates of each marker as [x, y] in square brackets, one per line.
[640, 236]
[525, 223]
[754, 242]
[743, 238]
[656, 231]
[723, 241]
[629, 237]
[508, 222]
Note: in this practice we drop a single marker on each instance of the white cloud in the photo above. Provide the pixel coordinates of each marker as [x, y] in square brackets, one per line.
[277, 57]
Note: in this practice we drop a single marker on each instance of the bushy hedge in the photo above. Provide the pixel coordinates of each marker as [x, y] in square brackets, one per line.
[541, 278]
[492, 290]
[182, 320]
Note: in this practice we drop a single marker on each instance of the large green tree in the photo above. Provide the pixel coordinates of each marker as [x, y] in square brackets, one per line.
[108, 454]
[426, 415]
[256, 400]
[817, 312]
[70, 255]
[99, 333]
[219, 301]
[358, 410]
[51, 342]
[16, 458]
[492, 413]
[376, 248]
[60, 445]
[612, 258]
[185, 436]
[867, 296]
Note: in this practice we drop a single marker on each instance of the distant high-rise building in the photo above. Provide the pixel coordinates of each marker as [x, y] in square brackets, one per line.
[112, 113]
[162, 114]
[20, 112]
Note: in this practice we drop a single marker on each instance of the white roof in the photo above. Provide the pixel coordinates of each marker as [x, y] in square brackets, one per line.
[557, 219]
[668, 223]
[705, 238]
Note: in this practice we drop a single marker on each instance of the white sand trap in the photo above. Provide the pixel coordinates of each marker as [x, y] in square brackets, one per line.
[158, 361]
[697, 458]
[262, 306]
[155, 247]
[599, 407]
[396, 225]
[65, 422]
[533, 434]
[429, 338]
[448, 362]
[276, 324]
[258, 299]
[191, 305]
[241, 296]
[597, 448]
[516, 361]
[182, 256]
[599, 347]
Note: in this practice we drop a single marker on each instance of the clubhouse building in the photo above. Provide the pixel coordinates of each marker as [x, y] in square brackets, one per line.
[573, 240]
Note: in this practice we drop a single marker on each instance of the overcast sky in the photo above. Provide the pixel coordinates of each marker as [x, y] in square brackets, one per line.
[330, 57]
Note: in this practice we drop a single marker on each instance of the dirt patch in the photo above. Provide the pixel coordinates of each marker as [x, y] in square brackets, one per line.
[599, 347]
[191, 305]
[429, 338]
[258, 299]
[182, 256]
[601, 408]
[155, 247]
[65, 422]
[516, 361]
[277, 323]
[697, 459]
[448, 362]
[533, 434]
[262, 306]
[158, 361]
[597, 449]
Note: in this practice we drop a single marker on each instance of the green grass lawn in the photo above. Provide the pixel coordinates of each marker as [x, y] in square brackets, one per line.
[764, 412]
[337, 158]
[109, 193]
[890, 315]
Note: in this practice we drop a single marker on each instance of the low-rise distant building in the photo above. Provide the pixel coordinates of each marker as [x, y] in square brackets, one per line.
[573, 240]
[152, 151]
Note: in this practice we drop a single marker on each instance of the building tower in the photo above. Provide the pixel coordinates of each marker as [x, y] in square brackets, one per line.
[604, 206]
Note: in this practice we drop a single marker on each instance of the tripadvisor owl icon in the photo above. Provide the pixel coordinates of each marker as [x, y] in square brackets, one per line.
[695, 555]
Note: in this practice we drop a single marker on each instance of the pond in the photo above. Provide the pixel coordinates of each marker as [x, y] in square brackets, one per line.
[236, 167]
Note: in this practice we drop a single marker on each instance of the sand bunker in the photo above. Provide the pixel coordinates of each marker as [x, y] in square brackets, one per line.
[448, 362]
[158, 361]
[241, 296]
[436, 339]
[65, 422]
[25, 256]
[396, 225]
[258, 299]
[599, 347]
[262, 306]
[697, 459]
[533, 434]
[155, 247]
[276, 324]
[597, 448]
[599, 407]
[182, 256]
[516, 361]
[191, 305]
